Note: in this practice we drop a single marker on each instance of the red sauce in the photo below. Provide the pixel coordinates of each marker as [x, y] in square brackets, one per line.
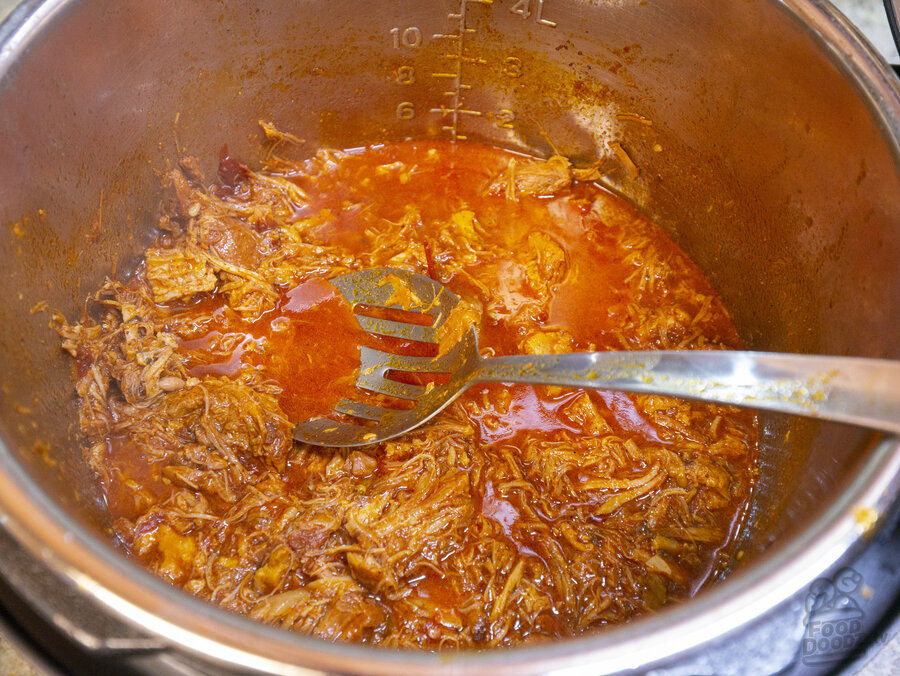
[134, 477]
[519, 513]
[627, 417]
[532, 411]
[308, 344]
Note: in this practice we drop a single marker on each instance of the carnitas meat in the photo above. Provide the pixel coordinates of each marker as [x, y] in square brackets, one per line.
[519, 514]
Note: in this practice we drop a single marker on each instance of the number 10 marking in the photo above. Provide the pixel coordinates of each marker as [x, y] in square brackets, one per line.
[410, 37]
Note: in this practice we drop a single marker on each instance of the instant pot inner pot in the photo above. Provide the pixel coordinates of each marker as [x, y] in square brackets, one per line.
[750, 144]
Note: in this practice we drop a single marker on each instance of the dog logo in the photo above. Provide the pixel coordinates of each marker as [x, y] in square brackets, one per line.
[834, 620]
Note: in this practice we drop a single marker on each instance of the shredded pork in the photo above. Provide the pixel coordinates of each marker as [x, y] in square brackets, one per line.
[519, 514]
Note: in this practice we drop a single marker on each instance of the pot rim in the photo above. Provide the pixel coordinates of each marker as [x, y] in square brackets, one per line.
[192, 626]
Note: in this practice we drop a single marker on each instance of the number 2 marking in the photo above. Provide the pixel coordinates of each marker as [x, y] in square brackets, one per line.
[505, 118]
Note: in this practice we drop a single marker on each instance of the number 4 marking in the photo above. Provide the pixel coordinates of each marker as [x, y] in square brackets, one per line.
[523, 9]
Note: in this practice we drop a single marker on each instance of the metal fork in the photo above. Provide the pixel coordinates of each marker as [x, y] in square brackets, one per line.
[853, 390]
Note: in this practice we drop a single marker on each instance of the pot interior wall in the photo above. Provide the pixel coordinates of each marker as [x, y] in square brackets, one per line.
[753, 151]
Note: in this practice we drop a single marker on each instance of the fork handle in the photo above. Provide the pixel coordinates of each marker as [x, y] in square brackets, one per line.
[854, 390]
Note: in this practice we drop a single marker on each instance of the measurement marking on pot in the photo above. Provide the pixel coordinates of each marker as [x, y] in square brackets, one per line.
[456, 55]
[411, 39]
[512, 66]
[406, 38]
[524, 9]
[406, 75]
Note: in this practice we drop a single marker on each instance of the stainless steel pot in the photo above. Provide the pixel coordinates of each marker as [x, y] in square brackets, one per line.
[766, 138]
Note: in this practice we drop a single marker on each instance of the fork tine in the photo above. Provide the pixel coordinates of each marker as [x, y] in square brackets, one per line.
[360, 410]
[410, 292]
[376, 382]
[325, 432]
[375, 361]
[374, 288]
[387, 327]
